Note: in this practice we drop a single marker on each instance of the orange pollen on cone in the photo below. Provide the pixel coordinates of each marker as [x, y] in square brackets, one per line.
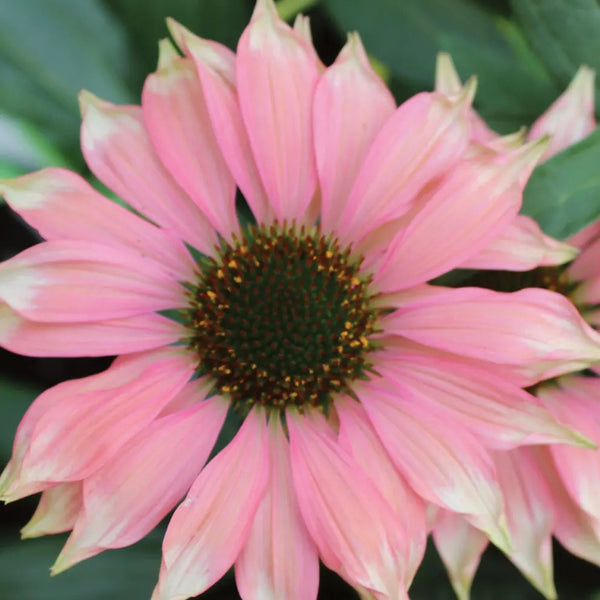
[282, 316]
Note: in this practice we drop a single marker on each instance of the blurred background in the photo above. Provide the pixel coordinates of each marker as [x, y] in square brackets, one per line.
[524, 53]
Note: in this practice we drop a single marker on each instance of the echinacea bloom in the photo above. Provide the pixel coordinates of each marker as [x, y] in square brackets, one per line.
[312, 319]
[552, 490]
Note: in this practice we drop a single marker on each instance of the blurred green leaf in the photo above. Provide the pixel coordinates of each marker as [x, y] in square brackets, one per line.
[15, 397]
[406, 35]
[563, 193]
[120, 574]
[145, 22]
[49, 50]
[564, 33]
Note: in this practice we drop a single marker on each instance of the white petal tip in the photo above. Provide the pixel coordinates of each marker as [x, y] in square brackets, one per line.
[265, 7]
[583, 82]
[447, 80]
[467, 94]
[87, 100]
[302, 27]
[167, 54]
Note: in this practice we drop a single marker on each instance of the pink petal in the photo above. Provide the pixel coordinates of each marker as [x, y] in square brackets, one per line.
[63, 206]
[104, 338]
[520, 247]
[529, 516]
[57, 510]
[471, 205]
[571, 117]
[177, 120]
[115, 514]
[355, 529]
[419, 142]
[215, 65]
[575, 529]
[538, 331]
[445, 465]
[210, 527]
[85, 422]
[276, 75]
[117, 149]
[359, 439]
[448, 83]
[279, 559]
[576, 401]
[69, 281]
[351, 104]
[460, 546]
[498, 412]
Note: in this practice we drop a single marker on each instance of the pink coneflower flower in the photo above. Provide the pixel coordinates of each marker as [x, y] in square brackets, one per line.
[311, 321]
[554, 490]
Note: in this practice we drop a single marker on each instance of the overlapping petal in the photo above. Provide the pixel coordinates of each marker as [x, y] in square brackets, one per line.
[61, 205]
[279, 559]
[75, 427]
[75, 281]
[350, 106]
[208, 530]
[114, 513]
[276, 74]
[177, 120]
[535, 330]
[116, 146]
[334, 496]
[446, 466]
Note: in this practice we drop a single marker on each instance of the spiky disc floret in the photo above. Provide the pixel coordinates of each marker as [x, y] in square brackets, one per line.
[282, 317]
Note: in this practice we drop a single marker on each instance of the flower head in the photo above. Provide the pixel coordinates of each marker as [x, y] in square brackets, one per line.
[300, 304]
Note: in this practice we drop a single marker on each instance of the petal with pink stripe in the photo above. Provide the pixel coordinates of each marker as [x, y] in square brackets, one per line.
[472, 204]
[419, 142]
[529, 515]
[446, 466]
[520, 247]
[70, 281]
[279, 559]
[351, 104]
[276, 74]
[537, 331]
[356, 531]
[215, 65]
[85, 422]
[115, 514]
[209, 529]
[100, 338]
[177, 120]
[358, 437]
[498, 412]
[61, 205]
[117, 149]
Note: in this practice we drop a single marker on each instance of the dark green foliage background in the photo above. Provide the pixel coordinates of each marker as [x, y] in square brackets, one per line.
[524, 53]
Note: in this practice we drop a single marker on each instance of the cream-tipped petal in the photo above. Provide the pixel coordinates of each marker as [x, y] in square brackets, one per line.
[351, 104]
[57, 510]
[447, 80]
[571, 117]
[276, 72]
